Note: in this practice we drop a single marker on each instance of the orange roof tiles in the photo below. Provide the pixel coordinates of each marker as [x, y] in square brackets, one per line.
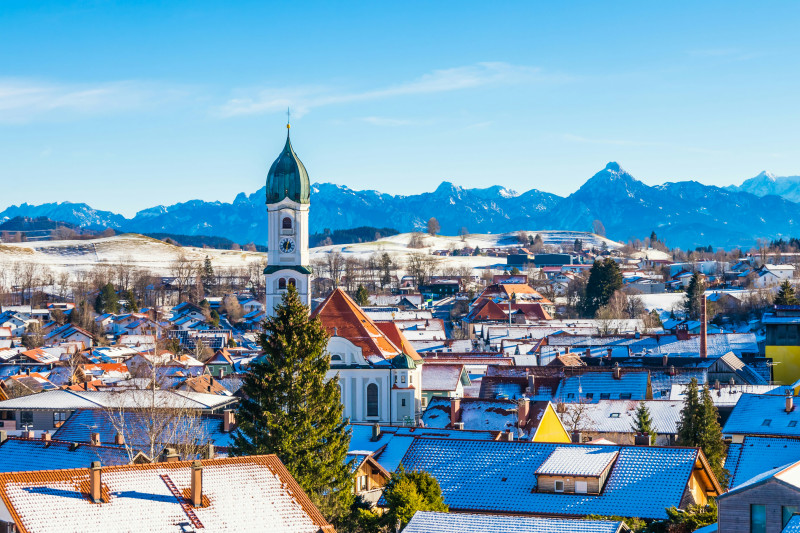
[341, 316]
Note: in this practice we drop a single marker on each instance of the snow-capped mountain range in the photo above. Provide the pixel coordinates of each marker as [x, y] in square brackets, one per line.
[684, 214]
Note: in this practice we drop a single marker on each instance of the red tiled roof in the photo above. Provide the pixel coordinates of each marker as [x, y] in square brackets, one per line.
[341, 316]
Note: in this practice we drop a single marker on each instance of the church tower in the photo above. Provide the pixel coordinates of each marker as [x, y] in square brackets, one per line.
[288, 199]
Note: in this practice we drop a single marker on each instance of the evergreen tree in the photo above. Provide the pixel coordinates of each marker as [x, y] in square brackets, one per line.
[386, 270]
[689, 424]
[578, 245]
[605, 278]
[653, 238]
[786, 295]
[699, 427]
[695, 293]
[214, 318]
[362, 296]
[107, 300]
[207, 276]
[409, 492]
[515, 272]
[643, 423]
[133, 305]
[291, 410]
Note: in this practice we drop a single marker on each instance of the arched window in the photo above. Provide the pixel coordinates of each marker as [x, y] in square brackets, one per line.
[282, 284]
[292, 282]
[287, 223]
[372, 400]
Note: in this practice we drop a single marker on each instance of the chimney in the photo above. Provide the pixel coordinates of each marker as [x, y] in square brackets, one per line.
[221, 373]
[228, 420]
[3, 436]
[664, 360]
[95, 491]
[789, 401]
[716, 384]
[577, 437]
[642, 439]
[703, 329]
[671, 370]
[588, 352]
[608, 353]
[566, 350]
[210, 451]
[119, 440]
[376, 432]
[617, 374]
[29, 434]
[508, 436]
[197, 484]
[95, 439]
[46, 436]
[531, 384]
[455, 411]
[522, 412]
[171, 455]
[210, 381]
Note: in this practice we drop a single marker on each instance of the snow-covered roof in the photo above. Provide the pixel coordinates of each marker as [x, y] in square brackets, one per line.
[756, 455]
[578, 461]
[762, 414]
[23, 455]
[71, 400]
[432, 522]
[152, 497]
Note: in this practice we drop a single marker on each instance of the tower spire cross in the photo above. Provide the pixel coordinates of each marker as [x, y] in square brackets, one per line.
[288, 118]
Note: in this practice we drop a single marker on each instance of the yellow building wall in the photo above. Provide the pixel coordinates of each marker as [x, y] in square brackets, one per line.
[551, 429]
[787, 368]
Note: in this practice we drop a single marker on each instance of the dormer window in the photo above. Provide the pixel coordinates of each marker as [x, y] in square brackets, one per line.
[558, 486]
[576, 470]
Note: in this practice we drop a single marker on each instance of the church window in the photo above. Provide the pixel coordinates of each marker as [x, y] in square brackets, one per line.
[372, 400]
[287, 223]
[282, 284]
[292, 282]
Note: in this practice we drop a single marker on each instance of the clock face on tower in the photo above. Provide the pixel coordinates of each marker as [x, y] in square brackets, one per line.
[287, 245]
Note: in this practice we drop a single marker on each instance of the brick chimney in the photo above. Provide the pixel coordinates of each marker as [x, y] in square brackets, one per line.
[608, 353]
[523, 412]
[46, 436]
[642, 439]
[228, 420]
[789, 401]
[95, 439]
[455, 411]
[3, 436]
[29, 434]
[588, 352]
[171, 455]
[703, 329]
[197, 484]
[95, 482]
[376, 432]
[119, 440]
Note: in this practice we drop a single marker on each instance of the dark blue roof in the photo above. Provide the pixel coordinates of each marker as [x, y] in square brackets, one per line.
[427, 522]
[84, 422]
[762, 414]
[497, 476]
[756, 455]
[24, 455]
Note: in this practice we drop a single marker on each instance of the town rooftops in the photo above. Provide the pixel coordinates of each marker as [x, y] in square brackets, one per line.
[156, 498]
[788, 474]
[22, 455]
[500, 477]
[342, 317]
[71, 400]
[756, 455]
[763, 414]
[432, 522]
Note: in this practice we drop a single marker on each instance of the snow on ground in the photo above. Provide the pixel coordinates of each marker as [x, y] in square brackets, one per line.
[652, 254]
[145, 252]
[158, 256]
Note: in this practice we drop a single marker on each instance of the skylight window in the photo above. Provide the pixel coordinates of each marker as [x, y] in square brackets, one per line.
[792, 423]
[605, 395]
[613, 415]
[626, 396]
[766, 422]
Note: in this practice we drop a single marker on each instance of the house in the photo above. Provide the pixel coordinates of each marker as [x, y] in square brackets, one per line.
[171, 496]
[369, 476]
[763, 414]
[563, 480]
[69, 333]
[443, 380]
[536, 421]
[613, 420]
[765, 503]
[379, 372]
[433, 522]
[45, 453]
[772, 275]
[757, 454]
[220, 364]
[783, 342]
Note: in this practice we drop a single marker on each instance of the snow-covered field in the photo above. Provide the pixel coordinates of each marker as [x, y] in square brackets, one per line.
[158, 256]
[131, 249]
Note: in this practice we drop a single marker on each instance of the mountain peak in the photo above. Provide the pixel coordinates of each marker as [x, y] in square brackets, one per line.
[766, 175]
[613, 166]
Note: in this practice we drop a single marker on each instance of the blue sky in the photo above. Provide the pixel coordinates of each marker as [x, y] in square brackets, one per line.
[125, 105]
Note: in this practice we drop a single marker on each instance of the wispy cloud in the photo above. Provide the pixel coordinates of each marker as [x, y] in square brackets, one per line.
[304, 99]
[29, 100]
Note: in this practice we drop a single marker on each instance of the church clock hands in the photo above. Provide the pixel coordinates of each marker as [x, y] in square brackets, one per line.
[286, 245]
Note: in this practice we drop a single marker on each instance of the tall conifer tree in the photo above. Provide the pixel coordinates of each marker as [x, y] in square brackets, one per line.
[643, 422]
[695, 293]
[786, 295]
[291, 410]
[699, 427]
[605, 278]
